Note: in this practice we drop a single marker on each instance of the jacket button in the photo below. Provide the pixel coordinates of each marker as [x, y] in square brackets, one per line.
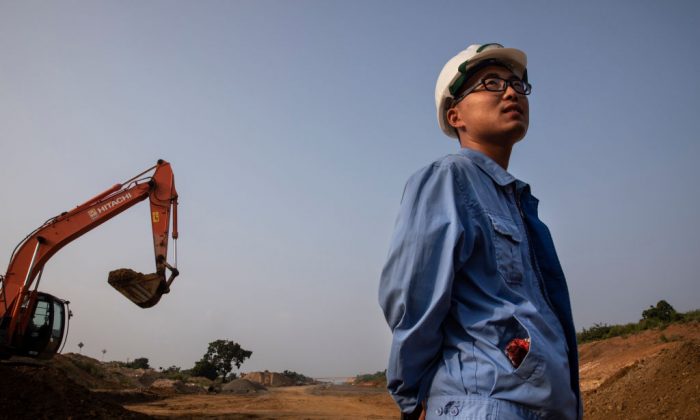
[454, 411]
[438, 411]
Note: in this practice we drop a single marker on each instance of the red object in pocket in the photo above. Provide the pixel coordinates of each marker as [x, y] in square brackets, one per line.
[516, 350]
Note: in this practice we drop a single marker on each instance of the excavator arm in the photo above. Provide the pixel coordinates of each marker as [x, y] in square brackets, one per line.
[19, 287]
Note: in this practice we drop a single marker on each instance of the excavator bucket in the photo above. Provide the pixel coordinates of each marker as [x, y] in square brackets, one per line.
[144, 290]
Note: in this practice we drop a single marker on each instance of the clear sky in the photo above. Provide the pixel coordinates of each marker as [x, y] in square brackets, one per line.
[292, 127]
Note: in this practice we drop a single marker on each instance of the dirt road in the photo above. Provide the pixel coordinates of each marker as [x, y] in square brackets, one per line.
[305, 402]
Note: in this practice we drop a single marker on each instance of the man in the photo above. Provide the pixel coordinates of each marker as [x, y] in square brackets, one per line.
[472, 289]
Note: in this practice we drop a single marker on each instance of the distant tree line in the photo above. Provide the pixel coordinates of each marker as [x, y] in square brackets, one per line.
[216, 364]
[658, 316]
[138, 363]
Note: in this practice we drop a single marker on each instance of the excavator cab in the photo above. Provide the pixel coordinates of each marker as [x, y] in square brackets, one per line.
[45, 330]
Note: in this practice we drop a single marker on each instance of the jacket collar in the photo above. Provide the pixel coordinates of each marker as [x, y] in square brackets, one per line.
[499, 175]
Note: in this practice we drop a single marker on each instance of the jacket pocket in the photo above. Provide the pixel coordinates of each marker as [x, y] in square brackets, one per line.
[530, 367]
[531, 363]
[507, 240]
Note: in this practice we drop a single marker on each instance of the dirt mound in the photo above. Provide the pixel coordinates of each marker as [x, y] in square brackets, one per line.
[177, 387]
[242, 386]
[148, 377]
[602, 359]
[93, 374]
[38, 390]
[664, 386]
[269, 378]
[200, 380]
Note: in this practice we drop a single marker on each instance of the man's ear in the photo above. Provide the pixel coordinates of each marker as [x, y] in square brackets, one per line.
[454, 119]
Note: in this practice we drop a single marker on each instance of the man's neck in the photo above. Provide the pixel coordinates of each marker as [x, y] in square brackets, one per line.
[499, 154]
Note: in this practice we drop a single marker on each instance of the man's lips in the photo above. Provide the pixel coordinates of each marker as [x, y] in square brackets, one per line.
[513, 108]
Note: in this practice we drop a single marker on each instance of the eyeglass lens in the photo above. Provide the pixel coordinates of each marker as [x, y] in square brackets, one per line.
[496, 84]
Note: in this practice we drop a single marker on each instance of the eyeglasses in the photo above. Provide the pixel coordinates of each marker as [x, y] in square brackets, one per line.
[496, 84]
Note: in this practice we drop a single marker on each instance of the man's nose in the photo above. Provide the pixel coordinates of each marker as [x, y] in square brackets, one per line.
[510, 93]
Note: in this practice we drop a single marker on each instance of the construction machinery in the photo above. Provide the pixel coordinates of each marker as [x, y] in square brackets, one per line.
[34, 323]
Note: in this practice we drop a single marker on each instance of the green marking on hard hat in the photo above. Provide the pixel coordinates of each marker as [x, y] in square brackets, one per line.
[483, 47]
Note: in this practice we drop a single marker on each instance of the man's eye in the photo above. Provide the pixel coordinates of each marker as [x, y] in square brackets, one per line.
[491, 83]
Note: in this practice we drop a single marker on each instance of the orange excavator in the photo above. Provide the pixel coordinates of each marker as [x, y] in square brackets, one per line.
[34, 323]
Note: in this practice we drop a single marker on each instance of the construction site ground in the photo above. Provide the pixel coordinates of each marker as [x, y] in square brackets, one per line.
[295, 402]
[651, 375]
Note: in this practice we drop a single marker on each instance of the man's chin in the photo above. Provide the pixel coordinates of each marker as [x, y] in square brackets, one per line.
[516, 133]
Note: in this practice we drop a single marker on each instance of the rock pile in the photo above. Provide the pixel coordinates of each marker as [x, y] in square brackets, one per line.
[176, 386]
[242, 386]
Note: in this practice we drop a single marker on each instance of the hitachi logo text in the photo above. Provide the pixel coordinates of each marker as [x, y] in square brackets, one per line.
[103, 208]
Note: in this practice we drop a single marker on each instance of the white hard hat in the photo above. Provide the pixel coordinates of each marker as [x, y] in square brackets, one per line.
[461, 66]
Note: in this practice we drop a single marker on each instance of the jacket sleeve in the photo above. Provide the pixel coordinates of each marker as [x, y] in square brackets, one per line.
[416, 282]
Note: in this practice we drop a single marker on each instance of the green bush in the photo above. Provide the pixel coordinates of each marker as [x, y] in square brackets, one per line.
[692, 316]
[658, 317]
[376, 377]
[204, 368]
[298, 378]
[175, 373]
[138, 363]
[663, 312]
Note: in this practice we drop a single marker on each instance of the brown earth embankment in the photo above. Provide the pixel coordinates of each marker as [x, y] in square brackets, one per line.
[651, 375]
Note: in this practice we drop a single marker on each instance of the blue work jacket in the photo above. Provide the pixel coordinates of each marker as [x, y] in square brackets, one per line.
[470, 268]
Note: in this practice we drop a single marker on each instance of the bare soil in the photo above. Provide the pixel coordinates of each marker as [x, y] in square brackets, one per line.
[295, 402]
[40, 391]
[651, 375]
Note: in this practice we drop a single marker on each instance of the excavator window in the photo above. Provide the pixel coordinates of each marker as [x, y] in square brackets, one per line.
[57, 331]
[41, 320]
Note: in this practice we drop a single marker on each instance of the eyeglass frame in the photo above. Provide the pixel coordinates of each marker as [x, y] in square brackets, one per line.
[508, 82]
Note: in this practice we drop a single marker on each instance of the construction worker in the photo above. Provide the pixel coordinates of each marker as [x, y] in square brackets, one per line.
[472, 289]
